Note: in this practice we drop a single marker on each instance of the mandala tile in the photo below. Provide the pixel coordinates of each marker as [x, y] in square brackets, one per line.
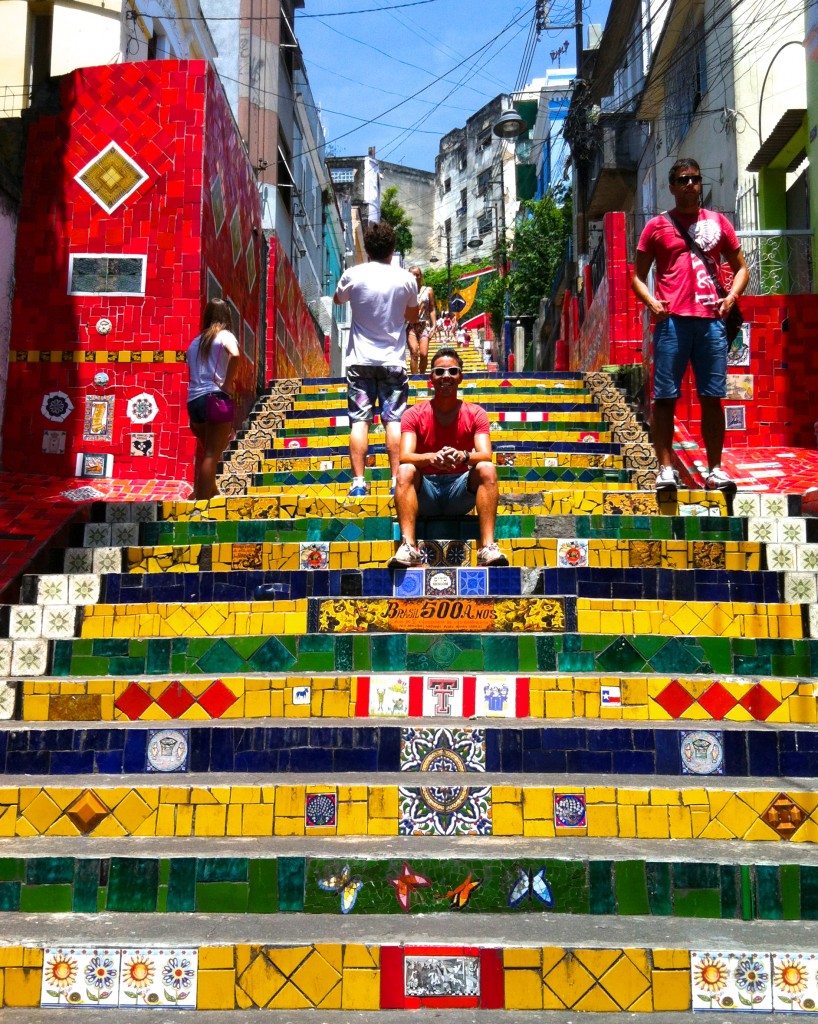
[457, 552]
[781, 557]
[320, 810]
[409, 583]
[314, 555]
[800, 588]
[142, 408]
[80, 976]
[29, 658]
[762, 531]
[784, 816]
[443, 750]
[472, 582]
[389, 696]
[83, 588]
[87, 811]
[791, 531]
[111, 177]
[167, 750]
[442, 696]
[441, 582]
[444, 810]
[56, 406]
[570, 810]
[433, 552]
[702, 753]
[730, 981]
[572, 554]
[773, 505]
[158, 977]
[795, 982]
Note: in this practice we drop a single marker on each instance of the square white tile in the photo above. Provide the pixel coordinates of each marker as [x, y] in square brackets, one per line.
[746, 505]
[107, 560]
[495, 697]
[83, 588]
[792, 531]
[6, 647]
[8, 693]
[389, 696]
[761, 530]
[572, 553]
[781, 557]
[774, 505]
[158, 977]
[60, 621]
[80, 976]
[52, 589]
[124, 535]
[800, 588]
[806, 558]
[78, 560]
[25, 621]
[731, 981]
[813, 621]
[794, 981]
[97, 535]
[28, 658]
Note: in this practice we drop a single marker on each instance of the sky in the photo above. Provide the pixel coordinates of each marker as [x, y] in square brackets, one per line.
[402, 73]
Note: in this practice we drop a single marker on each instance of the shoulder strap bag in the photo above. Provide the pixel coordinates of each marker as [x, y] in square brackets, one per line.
[733, 321]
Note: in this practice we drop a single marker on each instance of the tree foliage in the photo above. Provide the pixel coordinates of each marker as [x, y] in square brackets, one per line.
[393, 213]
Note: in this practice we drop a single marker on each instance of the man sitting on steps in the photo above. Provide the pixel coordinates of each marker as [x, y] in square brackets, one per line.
[445, 464]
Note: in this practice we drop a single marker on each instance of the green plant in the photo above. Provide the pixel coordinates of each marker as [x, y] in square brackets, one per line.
[393, 213]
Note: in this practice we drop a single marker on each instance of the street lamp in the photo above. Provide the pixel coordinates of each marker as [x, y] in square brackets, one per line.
[508, 126]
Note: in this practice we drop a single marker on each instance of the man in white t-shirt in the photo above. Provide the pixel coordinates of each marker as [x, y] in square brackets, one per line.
[383, 298]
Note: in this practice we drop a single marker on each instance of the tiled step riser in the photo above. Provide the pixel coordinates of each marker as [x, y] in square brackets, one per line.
[379, 480]
[378, 463]
[244, 747]
[610, 698]
[571, 810]
[259, 885]
[239, 584]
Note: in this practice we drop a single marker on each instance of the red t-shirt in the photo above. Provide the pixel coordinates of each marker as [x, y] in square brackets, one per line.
[420, 420]
[682, 279]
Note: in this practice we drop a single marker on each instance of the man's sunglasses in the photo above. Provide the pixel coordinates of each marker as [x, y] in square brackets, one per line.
[441, 371]
[688, 179]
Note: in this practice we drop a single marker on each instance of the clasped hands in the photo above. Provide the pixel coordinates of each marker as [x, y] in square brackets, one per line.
[450, 457]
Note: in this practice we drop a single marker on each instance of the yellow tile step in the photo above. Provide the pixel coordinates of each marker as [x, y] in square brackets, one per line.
[380, 488]
[317, 463]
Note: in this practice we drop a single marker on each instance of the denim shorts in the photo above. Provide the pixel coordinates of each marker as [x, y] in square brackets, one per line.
[445, 494]
[197, 409]
[386, 385]
[696, 340]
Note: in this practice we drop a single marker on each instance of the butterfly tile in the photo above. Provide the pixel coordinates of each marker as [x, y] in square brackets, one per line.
[25, 621]
[343, 884]
[80, 976]
[794, 982]
[530, 886]
[792, 531]
[78, 560]
[781, 557]
[800, 588]
[158, 977]
[806, 558]
[774, 505]
[409, 583]
[731, 981]
[52, 589]
[97, 535]
[83, 589]
[389, 696]
[472, 582]
[441, 582]
[107, 560]
[762, 530]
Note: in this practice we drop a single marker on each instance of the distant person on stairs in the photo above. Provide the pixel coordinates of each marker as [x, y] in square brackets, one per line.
[383, 298]
[417, 334]
[686, 245]
[212, 361]
[445, 464]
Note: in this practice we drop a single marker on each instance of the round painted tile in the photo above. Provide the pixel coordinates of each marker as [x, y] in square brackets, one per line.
[167, 750]
[702, 753]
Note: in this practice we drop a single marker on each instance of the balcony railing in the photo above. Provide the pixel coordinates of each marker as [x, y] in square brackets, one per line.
[14, 99]
[780, 262]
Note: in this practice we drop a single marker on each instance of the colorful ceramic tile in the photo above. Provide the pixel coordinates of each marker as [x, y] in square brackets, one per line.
[389, 696]
[25, 621]
[98, 423]
[746, 505]
[702, 752]
[794, 982]
[314, 554]
[731, 981]
[610, 696]
[444, 810]
[56, 406]
[734, 417]
[343, 884]
[441, 977]
[442, 696]
[111, 177]
[158, 977]
[59, 622]
[495, 697]
[773, 505]
[52, 589]
[409, 582]
[472, 582]
[167, 750]
[142, 408]
[781, 557]
[800, 588]
[54, 442]
[792, 531]
[457, 552]
[441, 582]
[93, 466]
[569, 810]
[80, 976]
[806, 558]
[740, 387]
[762, 530]
[738, 354]
[142, 444]
[320, 810]
[77, 560]
[433, 552]
[442, 750]
[572, 554]
[302, 696]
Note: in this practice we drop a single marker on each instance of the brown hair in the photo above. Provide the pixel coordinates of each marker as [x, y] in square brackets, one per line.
[379, 240]
[216, 317]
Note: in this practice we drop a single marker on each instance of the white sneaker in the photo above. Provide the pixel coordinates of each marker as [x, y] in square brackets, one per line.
[491, 555]
[406, 557]
[717, 480]
[667, 479]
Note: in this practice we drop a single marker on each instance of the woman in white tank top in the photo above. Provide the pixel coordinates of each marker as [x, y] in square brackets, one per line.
[212, 362]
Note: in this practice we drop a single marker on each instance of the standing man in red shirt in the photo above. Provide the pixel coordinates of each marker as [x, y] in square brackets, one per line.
[445, 464]
[688, 312]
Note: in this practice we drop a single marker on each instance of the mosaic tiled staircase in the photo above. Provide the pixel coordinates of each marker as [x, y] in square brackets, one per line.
[633, 696]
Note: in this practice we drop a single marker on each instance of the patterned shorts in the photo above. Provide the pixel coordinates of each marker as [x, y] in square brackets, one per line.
[386, 385]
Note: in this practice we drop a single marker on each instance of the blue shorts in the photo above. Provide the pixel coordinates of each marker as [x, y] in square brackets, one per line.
[695, 340]
[445, 494]
[386, 385]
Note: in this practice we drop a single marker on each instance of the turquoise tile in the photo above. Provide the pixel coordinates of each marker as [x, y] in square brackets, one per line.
[291, 879]
[182, 885]
[133, 884]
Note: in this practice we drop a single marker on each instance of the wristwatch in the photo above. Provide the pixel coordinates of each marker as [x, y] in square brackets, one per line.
[465, 457]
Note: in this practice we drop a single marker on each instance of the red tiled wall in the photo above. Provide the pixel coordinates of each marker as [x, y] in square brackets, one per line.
[295, 345]
[160, 113]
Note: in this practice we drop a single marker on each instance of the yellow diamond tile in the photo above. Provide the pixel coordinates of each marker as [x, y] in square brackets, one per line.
[569, 980]
[42, 812]
[597, 961]
[261, 981]
[625, 983]
[316, 978]
[132, 811]
[287, 960]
